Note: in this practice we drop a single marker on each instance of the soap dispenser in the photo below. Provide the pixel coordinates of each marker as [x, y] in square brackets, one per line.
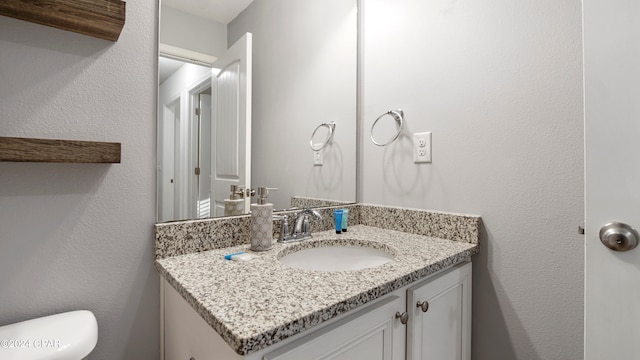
[234, 205]
[262, 221]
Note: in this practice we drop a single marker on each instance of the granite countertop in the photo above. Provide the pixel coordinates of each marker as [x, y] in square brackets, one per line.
[260, 302]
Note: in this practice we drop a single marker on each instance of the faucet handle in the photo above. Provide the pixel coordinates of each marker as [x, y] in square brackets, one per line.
[284, 227]
[312, 212]
[306, 226]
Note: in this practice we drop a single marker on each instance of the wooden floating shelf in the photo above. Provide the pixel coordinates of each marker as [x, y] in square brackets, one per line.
[103, 19]
[58, 151]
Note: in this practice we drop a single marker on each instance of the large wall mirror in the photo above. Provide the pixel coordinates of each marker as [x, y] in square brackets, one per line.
[255, 94]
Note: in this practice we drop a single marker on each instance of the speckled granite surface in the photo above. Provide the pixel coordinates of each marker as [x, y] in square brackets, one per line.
[258, 303]
[450, 226]
[307, 202]
[184, 237]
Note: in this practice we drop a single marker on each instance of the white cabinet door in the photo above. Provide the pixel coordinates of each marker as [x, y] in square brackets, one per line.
[443, 332]
[185, 335]
[371, 334]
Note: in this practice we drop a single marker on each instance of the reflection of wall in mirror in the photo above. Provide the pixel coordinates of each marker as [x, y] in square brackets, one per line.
[190, 32]
[304, 74]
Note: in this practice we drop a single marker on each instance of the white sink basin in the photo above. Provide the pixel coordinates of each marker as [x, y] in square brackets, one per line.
[337, 258]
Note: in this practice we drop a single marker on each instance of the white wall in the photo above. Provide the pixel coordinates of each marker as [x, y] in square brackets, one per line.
[191, 32]
[499, 83]
[304, 74]
[79, 236]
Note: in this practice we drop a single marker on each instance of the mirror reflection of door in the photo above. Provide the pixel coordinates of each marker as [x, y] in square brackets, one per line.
[203, 115]
[168, 128]
[204, 126]
[231, 148]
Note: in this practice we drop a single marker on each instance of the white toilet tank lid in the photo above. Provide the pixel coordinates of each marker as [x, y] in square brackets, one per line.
[66, 336]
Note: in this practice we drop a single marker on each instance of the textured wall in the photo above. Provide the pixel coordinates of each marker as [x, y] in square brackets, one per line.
[304, 74]
[499, 83]
[79, 236]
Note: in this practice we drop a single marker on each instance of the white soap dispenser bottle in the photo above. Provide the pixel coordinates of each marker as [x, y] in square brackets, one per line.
[262, 221]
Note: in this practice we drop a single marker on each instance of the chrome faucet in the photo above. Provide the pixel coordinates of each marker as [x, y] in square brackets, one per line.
[301, 229]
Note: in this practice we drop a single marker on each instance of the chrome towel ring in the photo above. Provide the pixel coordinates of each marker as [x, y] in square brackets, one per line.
[398, 116]
[331, 126]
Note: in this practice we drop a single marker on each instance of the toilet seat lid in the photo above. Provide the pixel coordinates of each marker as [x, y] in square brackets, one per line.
[66, 336]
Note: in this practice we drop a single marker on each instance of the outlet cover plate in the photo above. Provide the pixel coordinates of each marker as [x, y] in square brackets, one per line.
[317, 156]
[422, 147]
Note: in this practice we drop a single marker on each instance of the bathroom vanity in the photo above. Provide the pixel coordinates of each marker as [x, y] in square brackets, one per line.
[417, 304]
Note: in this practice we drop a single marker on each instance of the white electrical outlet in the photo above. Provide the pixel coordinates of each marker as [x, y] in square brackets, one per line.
[422, 147]
[317, 156]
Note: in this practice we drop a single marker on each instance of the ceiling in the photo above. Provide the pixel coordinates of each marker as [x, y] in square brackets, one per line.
[222, 11]
[167, 67]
